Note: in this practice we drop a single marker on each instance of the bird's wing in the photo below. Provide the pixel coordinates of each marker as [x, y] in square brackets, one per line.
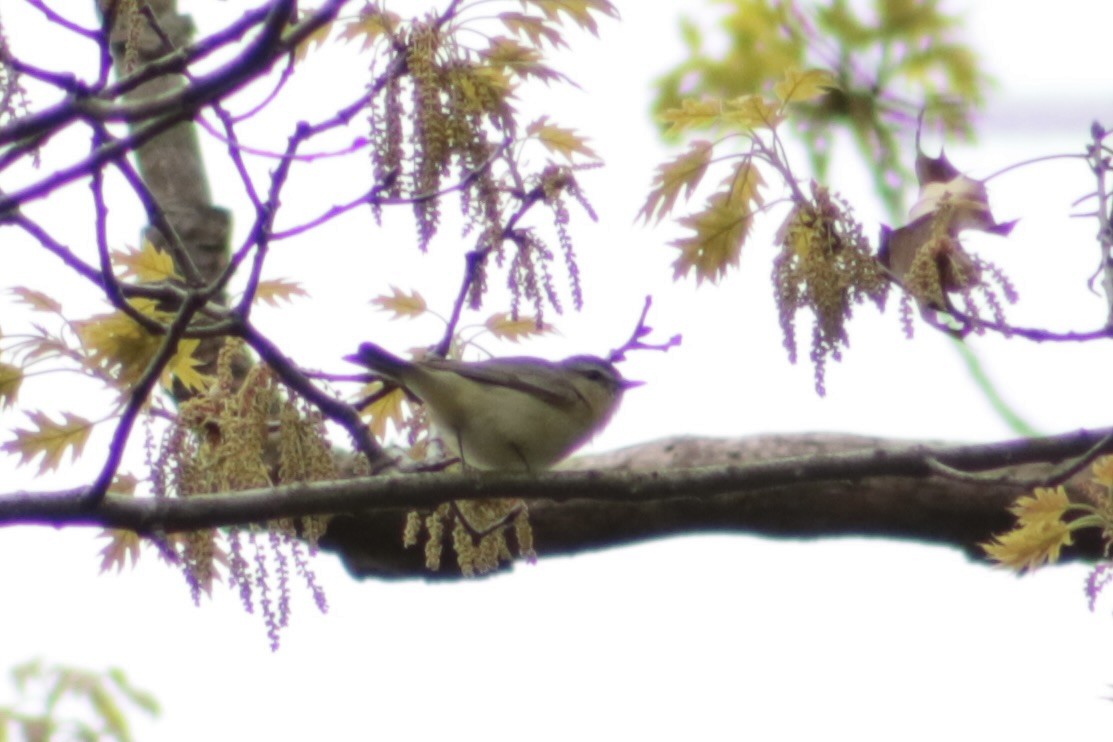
[543, 379]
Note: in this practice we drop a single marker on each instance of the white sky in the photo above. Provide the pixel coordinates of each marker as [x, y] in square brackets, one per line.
[698, 638]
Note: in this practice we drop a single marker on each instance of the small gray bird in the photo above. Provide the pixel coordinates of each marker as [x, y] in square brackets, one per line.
[512, 414]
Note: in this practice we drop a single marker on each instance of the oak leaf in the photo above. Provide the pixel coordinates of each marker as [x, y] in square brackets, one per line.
[403, 304]
[523, 61]
[10, 379]
[559, 139]
[49, 438]
[804, 85]
[37, 300]
[682, 173]
[505, 326]
[1029, 546]
[148, 263]
[385, 408]
[278, 290]
[371, 25]
[721, 228]
[121, 347]
[533, 28]
[311, 42]
[752, 112]
[1045, 504]
[579, 11]
[121, 543]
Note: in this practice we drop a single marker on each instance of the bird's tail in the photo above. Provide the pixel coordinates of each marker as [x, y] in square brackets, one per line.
[379, 360]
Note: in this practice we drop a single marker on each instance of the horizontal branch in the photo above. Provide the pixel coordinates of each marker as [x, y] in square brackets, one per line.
[881, 488]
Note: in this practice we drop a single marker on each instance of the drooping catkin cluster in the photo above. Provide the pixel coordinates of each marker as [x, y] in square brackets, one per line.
[243, 435]
[942, 266]
[441, 122]
[478, 530]
[13, 96]
[826, 267]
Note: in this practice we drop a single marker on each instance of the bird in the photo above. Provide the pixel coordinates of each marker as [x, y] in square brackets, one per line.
[508, 414]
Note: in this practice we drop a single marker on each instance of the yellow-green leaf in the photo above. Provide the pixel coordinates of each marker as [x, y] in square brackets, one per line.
[1103, 471]
[370, 26]
[751, 112]
[721, 229]
[10, 379]
[183, 367]
[277, 290]
[386, 409]
[1029, 546]
[148, 264]
[118, 345]
[402, 304]
[523, 61]
[803, 85]
[694, 114]
[50, 439]
[680, 174]
[1044, 504]
[504, 326]
[313, 41]
[533, 28]
[579, 11]
[559, 139]
[742, 185]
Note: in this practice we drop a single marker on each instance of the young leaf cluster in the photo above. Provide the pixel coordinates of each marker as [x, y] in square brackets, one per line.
[1047, 520]
[442, 118]
[888, 58]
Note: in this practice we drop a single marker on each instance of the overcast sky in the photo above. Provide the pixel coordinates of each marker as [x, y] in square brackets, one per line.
[695, 638]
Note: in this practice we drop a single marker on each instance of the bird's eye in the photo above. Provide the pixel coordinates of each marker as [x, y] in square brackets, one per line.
[596, 374]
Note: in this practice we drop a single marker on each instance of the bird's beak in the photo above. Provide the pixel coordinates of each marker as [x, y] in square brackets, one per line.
[630, 384]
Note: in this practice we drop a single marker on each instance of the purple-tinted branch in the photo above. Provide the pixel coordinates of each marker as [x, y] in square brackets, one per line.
[157, 217]
[222, 325]
[178, 61]
[137, 398]
[63, 22]
[372, 198]
[358, 144]
[62, 80]
[475, 259]
[235, 151]
[1100, 166]
[108, 279]
[102, 155]
[264, 219]
[641, 330]
[369, 198]
[343, 414]
[283, 78]
[259, 54]
[29, 146]
[1035, 334]
[62, 252]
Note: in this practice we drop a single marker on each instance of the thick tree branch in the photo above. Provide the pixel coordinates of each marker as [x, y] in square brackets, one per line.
[787, 486]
